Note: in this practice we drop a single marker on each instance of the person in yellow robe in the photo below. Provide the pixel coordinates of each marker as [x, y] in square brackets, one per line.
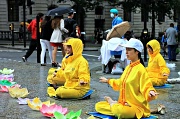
[157, 69]
[75, 71]
[134, 86]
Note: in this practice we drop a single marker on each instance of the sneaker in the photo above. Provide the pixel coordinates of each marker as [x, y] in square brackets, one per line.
[24, 59]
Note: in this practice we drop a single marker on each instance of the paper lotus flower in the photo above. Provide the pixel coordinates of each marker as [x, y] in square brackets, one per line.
[17, 92]
[70, 115]
[36, 103]
[22, 101]
[91, 117]
[6, 88]
[6, 83]
[6, 71]
[9, 77]
[48, 111]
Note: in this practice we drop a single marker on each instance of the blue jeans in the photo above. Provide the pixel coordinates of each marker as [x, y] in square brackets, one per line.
[172, 52]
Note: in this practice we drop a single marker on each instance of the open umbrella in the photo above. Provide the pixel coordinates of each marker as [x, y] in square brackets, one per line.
[60, 11]
[118, 30]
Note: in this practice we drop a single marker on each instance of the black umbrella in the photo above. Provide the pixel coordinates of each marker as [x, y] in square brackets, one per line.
[60, 11]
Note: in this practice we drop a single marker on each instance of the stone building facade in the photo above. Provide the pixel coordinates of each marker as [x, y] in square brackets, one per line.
[10, 12]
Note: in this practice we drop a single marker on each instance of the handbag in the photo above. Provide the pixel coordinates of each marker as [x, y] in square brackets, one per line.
[64, 35]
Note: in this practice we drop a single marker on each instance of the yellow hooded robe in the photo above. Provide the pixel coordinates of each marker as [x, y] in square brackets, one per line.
[157, 65]
[76, 69]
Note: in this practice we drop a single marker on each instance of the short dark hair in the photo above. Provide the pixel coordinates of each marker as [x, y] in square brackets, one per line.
[171, 25]
[70, 13]
[40, 14]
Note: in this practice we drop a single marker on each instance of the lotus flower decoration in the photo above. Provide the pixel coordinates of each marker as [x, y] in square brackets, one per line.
[23, 101]
[17, 92]
[70, 115]
[6, 88]
[6, 83]
[36, 103]
[9, 77]
[49, 111]
[6, 71]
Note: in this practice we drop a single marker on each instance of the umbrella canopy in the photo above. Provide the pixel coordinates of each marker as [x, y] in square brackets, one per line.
[118, 30]
[60, 11]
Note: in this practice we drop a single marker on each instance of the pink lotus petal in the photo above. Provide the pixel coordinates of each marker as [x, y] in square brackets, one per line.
[49, 110]
[4, 89]
[16, 85]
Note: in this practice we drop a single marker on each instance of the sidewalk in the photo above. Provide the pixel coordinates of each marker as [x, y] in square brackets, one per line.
[89, 46]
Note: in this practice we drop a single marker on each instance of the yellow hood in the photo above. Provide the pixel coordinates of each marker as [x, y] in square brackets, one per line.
[155, 46]
[77, 47]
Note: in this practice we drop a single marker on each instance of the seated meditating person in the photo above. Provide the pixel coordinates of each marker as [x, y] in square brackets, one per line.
[157, 70]
[134, 86]
[74, 72]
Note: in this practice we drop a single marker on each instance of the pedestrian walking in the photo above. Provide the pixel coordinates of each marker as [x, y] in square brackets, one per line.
[69, 22]
[171, 34]
[75, 73]
[56, 37]
[46, 32]
[33, 43]
[157, 70]
[21, 33]
[164, 43]
[134, 86]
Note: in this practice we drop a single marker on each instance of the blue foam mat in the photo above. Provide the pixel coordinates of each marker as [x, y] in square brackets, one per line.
[164, 86]
[87, 94]
[102, 116]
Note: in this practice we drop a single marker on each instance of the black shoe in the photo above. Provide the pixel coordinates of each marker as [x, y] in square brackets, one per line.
[43, 64]
[24, 59]
[54, 64]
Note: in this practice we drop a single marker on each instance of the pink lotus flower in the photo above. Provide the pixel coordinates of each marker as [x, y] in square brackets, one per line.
[48, 111]
[6, 88]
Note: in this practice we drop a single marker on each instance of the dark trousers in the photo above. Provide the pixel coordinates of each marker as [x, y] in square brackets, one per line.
[172, 52]
[32, 47]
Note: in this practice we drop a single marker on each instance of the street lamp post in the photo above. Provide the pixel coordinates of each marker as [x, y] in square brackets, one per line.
[144, 34]
[24, 20]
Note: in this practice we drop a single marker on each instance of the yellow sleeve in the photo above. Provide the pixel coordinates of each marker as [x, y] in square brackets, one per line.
[114, 83]
[146, 86]
[83, 71]
[162, 65]
[60, 74]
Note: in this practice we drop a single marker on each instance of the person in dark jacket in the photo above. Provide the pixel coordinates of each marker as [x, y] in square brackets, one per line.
[46, 32]
[69, 22]
[76, 32]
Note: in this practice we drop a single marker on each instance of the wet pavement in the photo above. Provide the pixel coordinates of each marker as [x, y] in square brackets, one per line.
[33, 77]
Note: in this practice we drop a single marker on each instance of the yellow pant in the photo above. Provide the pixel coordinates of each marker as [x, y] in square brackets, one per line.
[63, 92]
[158, 81]
[116, 110]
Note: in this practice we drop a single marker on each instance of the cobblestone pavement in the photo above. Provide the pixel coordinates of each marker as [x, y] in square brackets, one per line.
[33, 77]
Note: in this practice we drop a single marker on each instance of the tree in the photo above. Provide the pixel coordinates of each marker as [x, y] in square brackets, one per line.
[157, 8]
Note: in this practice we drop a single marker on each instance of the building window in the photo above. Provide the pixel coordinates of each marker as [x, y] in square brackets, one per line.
[13, 11]
[161, 17]
[99, 10]
[127, 16]
[142, 15]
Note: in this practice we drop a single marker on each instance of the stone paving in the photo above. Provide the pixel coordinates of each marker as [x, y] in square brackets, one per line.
[33, 77]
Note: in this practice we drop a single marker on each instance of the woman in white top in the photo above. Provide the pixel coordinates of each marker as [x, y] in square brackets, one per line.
[56, 37]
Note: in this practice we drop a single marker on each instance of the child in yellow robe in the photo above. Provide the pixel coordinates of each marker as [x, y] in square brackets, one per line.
[157, 69]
